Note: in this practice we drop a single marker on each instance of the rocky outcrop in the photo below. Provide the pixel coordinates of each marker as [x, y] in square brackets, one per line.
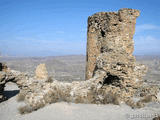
[7, 75]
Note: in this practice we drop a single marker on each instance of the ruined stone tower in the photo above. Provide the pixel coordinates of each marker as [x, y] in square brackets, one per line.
[115, 76]
[109, 31]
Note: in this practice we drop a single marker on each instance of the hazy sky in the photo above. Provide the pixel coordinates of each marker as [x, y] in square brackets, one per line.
[58, 27]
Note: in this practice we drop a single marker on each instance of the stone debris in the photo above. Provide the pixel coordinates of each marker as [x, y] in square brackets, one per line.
[7, 75]
[112, 74]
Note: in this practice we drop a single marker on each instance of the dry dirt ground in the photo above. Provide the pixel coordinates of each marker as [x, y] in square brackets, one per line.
[69, 68]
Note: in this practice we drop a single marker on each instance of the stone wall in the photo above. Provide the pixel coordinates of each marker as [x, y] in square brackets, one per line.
[109, 31]
[7, 75]
[112, 72]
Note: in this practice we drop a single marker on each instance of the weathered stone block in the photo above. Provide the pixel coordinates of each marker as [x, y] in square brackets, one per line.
[41, 72]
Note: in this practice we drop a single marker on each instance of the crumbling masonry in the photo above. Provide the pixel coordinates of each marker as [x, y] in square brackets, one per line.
[110, 32]
[112, 74]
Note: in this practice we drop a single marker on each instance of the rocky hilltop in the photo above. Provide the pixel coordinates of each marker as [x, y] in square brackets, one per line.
[112, 74]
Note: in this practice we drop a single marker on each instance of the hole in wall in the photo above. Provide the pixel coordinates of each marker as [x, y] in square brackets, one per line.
[110, 79]
[102, 33]
[115, 24]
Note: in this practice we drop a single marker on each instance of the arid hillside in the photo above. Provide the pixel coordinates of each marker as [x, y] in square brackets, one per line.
[69, 68]
[63, 68]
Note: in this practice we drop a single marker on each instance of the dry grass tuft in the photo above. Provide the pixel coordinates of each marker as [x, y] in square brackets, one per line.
[149, 98]
[156, 118]
[111, 98]
[21, 96]
[49, 79]
[25, 109]
[131, 103]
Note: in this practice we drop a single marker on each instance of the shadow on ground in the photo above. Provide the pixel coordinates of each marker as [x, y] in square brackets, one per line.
[10, 93]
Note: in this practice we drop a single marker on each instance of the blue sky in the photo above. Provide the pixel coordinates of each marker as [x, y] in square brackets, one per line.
[58, 27]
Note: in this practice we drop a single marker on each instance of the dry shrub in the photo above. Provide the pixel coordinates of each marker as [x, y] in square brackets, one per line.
[49, 79]
[28, 109]
[156, 118]
[140, 104]
[21, 96]
[25, 109]
[111, 98]
[131, 103]
[149, 98]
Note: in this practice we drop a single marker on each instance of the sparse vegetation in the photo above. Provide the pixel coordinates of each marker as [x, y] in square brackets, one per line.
[50, 97]
[21, 96]
[49, 79]
[149, 98]
[25, 109]
[71, 68]
[111, 98]
[156, 118]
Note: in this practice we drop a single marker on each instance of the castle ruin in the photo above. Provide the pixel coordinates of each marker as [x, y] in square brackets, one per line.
[112, 74]
[109, 31]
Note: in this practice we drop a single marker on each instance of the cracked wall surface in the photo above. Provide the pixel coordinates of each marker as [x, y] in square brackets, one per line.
[109, 31]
